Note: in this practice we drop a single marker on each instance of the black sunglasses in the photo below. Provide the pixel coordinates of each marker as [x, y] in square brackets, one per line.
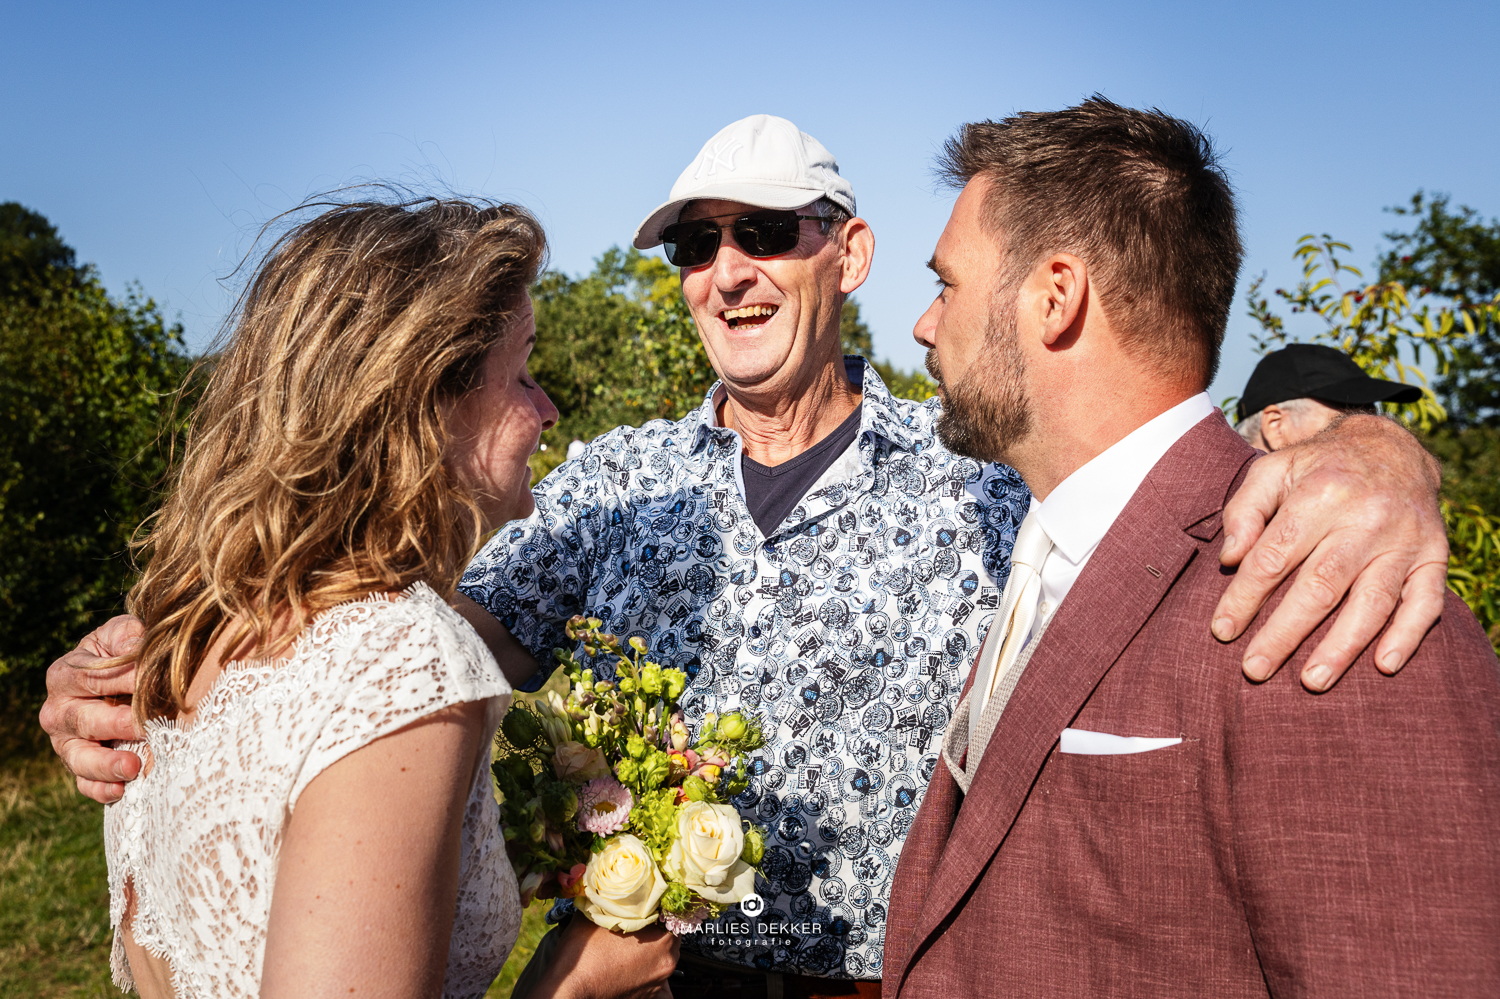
[760, 234]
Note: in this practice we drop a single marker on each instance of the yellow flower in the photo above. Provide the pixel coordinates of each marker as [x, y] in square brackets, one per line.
[622, 885]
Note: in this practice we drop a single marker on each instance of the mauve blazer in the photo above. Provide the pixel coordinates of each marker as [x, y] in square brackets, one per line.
[1345, 844]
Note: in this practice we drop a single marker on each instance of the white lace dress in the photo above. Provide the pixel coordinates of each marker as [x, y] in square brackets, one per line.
[198, 836]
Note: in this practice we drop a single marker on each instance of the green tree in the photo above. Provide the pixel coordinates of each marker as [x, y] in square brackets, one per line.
[856, 339]
[86, 385]
[615, 347]
[1454, 257]
[31, 252]
[1387, 335]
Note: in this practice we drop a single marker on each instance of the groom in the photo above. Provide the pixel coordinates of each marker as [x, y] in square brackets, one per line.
[1116, 812]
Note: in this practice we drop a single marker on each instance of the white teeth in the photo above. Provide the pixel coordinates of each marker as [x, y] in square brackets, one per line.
[748, 311]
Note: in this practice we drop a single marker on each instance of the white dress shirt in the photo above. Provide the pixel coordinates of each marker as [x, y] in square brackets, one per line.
[1081, 510]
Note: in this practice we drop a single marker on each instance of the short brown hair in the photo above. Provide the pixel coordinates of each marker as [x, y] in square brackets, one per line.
[314, 471]
[1138, 195]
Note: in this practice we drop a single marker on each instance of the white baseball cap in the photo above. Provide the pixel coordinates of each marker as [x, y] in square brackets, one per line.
[761, 160]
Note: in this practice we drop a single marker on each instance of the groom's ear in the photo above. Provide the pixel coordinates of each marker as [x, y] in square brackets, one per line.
[1062, 287]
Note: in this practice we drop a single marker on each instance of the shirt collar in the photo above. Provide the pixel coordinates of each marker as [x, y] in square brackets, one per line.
[1080, 511]
[880, 414]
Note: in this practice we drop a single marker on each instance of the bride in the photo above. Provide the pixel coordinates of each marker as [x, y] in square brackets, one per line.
[316, 817]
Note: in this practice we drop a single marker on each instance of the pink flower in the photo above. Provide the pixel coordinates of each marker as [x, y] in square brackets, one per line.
[570, 883]
[604, 806]
[681, 764]
[685, 923]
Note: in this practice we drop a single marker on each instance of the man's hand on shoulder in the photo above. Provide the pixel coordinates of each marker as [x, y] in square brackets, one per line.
[1356, 507]
[84, 709]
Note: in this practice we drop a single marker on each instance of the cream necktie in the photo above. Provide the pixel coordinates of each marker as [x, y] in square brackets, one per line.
[1013, 622]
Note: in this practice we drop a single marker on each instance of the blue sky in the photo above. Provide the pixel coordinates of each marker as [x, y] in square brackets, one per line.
[158, 137]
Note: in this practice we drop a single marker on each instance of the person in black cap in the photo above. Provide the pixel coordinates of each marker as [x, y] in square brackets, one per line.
[1299, 390]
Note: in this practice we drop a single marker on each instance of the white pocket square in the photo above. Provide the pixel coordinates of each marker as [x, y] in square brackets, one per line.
[1084, 743]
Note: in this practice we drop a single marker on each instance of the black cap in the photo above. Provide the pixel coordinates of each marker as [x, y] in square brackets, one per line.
[1312, 371]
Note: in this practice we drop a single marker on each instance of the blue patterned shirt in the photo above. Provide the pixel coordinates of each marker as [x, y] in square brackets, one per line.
[850, 630]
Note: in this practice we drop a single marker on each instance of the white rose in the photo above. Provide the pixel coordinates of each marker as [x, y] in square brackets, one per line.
[622, 885]
[706, 854]
[577, 762]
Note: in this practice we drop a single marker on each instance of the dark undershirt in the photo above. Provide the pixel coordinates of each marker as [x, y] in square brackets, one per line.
[773, 491]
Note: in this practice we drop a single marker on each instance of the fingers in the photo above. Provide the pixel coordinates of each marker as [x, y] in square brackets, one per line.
[119, 636]
[104, 793]
[1317, 589]
[1371, 599]
[667, 947]
[78, 719]
[77, 674]
[88, 720]
[1363, 529]
[1252, 507]
[1421, 605]
[93, 762]
[1277, 550]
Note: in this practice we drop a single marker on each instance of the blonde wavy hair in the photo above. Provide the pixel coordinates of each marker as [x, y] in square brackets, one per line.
[313, 472]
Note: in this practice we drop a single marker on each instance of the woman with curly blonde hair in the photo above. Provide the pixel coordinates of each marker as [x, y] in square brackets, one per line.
[316, 815]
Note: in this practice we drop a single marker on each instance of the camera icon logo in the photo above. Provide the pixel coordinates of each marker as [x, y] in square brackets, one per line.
[752, 904]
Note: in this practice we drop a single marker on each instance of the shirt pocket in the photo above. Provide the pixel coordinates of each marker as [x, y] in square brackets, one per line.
[1157, 773]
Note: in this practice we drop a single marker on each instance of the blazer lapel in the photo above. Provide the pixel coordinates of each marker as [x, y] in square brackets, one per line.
[1124, 581]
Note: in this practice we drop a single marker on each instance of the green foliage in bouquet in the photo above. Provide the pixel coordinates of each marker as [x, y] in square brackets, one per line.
[606, 797]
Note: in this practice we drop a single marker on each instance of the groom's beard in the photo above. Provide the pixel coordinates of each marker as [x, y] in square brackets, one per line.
[985, 409]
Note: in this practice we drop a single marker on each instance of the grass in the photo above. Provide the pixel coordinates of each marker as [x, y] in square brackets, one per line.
[533, 927]
[54, 900]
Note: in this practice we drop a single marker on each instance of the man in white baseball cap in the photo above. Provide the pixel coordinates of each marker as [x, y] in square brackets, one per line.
[801, 544]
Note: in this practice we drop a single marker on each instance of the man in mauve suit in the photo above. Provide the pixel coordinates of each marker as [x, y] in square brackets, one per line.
[1117, 811]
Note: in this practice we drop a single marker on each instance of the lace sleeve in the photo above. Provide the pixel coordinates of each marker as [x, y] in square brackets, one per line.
[388, 664]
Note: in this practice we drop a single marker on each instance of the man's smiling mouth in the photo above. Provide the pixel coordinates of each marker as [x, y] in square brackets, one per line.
[748, 316]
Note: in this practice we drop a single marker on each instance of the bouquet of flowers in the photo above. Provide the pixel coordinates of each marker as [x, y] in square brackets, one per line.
[606, 798]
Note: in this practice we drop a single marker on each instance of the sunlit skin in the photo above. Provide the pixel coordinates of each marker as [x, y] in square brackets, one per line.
[1281, 428]
[784, 374]
[494, 428]
[1086, 391]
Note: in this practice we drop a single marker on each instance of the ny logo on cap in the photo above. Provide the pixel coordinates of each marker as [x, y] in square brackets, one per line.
[721, 153]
